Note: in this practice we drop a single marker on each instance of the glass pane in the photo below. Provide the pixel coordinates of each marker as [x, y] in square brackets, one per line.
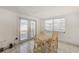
[23, 29]
[32, 28]
[59, 25]
[49, 25]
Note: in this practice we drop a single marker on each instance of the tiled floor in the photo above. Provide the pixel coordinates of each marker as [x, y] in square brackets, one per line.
[67, 48]
[27, 47]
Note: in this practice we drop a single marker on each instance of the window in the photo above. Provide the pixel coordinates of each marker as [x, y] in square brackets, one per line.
[49, 25]
[59, 25]
[55, 25]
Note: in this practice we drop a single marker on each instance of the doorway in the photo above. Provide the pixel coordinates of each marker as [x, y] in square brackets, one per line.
[27, 29]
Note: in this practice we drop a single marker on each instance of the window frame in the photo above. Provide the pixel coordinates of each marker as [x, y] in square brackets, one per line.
[53, 24]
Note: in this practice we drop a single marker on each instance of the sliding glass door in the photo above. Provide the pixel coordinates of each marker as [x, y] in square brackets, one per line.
[27, 29]
[23, 29]
[33, 28]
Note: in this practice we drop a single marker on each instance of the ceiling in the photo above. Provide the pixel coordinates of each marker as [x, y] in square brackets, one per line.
[42, 11]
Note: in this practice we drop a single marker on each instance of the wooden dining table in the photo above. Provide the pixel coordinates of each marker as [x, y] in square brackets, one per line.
[46, 43]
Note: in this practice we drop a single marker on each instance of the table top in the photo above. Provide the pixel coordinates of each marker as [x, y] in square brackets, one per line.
[43, 36]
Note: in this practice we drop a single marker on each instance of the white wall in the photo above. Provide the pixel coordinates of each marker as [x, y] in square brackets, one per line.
[40, 25]
[72, 29]
[8, 27]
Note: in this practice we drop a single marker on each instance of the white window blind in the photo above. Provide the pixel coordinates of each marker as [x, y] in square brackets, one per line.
[55, 25]
[59, 25]
[49, 25]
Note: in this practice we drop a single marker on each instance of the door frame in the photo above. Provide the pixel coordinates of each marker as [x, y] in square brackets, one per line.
[35, 27]
[28, 27]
